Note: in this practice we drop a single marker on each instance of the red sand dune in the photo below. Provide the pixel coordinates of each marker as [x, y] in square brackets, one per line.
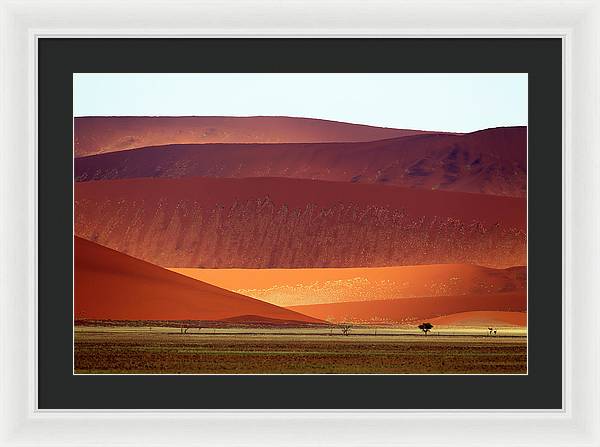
[491, 161]
[113, 286]
[291, 223]
[409, 309]
[100, 134]
[294, 287]
[482, 319]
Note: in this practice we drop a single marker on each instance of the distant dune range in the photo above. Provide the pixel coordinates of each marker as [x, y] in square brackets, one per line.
[291, 287]
[491, 161]
[406, 310]
[291, 223]
[113, 286]
[94, 135]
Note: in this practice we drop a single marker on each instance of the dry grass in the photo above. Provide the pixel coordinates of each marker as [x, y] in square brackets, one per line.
[286, 351]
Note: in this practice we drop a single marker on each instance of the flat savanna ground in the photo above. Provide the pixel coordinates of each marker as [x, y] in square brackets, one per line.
[125, 350]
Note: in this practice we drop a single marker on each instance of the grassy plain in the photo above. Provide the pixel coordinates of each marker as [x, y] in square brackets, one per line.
[367, 350]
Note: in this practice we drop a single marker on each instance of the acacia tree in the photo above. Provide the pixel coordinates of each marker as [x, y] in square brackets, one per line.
[346, 329]
[426, 327]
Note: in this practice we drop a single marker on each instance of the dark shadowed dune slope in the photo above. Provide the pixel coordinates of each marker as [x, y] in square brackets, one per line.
[491, 161]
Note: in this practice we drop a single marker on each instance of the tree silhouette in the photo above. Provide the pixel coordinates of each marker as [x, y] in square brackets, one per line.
[426, 327]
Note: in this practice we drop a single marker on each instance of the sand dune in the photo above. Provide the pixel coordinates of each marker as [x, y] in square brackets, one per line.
[410, 309]
[292, 223]
[113, 286]
[482, 319]
[95, 135]
[491, 161]
[292, 287]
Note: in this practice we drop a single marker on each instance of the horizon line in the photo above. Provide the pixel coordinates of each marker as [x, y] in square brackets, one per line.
[303, 118]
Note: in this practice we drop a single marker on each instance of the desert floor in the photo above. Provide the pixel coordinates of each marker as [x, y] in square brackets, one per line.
[367, 350]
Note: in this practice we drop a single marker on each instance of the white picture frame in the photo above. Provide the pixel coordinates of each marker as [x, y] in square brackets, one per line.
[576, 22]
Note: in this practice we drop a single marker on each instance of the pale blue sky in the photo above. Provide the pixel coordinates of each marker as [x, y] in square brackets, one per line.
[434, 101]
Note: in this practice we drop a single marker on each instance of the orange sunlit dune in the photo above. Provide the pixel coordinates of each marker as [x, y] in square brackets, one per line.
[292, 287]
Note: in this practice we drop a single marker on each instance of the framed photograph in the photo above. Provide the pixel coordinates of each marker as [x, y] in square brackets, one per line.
[276, 230]
[270, 234]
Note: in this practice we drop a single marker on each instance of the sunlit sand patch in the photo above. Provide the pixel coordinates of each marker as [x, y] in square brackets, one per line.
[291, 287]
